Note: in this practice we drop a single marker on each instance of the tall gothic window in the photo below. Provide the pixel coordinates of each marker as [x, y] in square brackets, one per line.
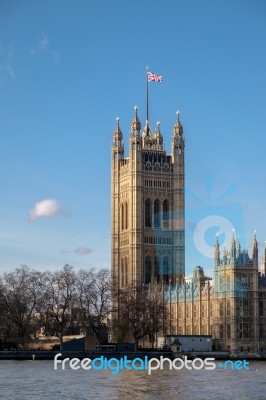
[126, 216]
[157, 271]
[147, 270]
[166, 269]
[126, 272]
[122, 272]
[148, 213]
[165, 214]
[122, 217]
[156, 213]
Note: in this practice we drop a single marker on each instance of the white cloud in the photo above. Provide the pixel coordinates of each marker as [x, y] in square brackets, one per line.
[45, 208]
[43, 43]
[7, 54]
[43, 46]
[56, 56]
[10, 71]
[83, 251]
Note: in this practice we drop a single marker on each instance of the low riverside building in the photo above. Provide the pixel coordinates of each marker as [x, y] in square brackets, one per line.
[186, 342]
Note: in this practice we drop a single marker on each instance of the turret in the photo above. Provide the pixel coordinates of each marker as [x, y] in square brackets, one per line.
[263, 262]
[255, 251]
[178, 140]
[198, 276]
[118, 146]
[217, 252]
[147, 137]
[158, 136]
[135, 125]
[238, 248]
[135, 143]
[225, 256]
[233, 249]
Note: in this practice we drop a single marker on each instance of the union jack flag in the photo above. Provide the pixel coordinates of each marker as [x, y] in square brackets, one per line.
[154, 77]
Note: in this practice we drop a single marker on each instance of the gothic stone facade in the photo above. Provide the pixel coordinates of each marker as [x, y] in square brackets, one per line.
[231, 308]
[148, 245]
[148, 234]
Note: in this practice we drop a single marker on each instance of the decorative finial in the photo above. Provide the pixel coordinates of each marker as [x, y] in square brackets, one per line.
[158, 125]
[117, 122]
[136, 109]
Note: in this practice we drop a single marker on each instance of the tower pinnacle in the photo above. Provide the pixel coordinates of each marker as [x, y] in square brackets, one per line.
[158, 135]
[135, 125]
[178, 128]
[117, 133]
[217, 250]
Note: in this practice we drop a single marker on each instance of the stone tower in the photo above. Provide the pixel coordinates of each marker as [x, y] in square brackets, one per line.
[235, 297]
[148, 231]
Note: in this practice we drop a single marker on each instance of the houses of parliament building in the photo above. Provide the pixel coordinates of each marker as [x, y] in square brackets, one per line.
[148, 245]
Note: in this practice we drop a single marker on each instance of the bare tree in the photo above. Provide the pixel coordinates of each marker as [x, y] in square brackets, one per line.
[157, 311]
[60, 299]
[142, 311]
[20, 293]
[94, 299]
[133, 314]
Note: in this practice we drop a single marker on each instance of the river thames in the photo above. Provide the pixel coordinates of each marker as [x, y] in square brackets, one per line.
[37, 380]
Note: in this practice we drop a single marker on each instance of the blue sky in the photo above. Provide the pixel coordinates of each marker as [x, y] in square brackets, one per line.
[68, 68]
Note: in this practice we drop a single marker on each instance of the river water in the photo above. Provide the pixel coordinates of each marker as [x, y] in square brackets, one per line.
[37, 380]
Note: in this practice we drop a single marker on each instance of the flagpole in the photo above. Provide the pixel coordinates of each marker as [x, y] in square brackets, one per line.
[147, 95]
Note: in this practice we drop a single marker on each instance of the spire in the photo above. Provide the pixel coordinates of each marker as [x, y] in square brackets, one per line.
[263, 262]
[158, 135]
[118, 146]
[147, 131]
[225, 255]
[255, 243]
[217, 251]
[178, 128]
[233, 240]
[135, 125]
[233, 247]
[255, 247]
[117, 136]
[178, 143]
[238, 246]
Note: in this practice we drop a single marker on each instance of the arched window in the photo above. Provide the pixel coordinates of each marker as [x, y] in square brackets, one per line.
[147, 277]
[156, 213]
[126, 216]
[166, 269]
[126, 272]
[148, 213]
[165, 214]
[157, 271]
[122, 217]
[122, 273]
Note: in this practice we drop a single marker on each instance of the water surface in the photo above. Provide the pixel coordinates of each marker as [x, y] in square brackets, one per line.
[37, 380]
